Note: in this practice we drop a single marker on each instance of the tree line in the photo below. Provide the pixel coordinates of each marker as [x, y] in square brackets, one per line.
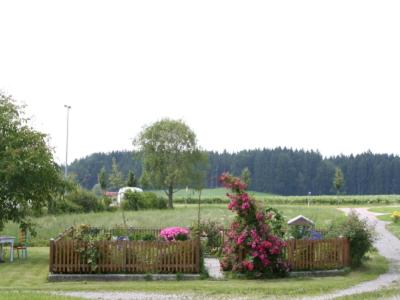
[280, 171]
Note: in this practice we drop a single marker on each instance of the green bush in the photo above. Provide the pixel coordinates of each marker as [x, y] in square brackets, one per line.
[86, 200]
[139, 236]
[360, 234]
[211, 231]
[67, 206]
[131, 200]
[275, 221]
[107, 201]
[146, 200]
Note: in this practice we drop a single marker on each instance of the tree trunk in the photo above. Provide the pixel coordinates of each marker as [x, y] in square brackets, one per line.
[170, 195]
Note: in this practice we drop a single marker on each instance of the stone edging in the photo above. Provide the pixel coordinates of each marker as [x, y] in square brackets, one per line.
[121, 277]
[321, 273]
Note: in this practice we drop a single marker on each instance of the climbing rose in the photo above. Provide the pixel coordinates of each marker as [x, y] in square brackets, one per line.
[250, 247]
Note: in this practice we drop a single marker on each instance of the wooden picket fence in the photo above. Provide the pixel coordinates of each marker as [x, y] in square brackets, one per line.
[181, 256]
[318, 254]
[127, 257]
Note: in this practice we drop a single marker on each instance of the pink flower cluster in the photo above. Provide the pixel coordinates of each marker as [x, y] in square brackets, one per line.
[250, 246]
[173, 233]
[232, 183]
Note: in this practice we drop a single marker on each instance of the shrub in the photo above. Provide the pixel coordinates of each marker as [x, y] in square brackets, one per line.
[361, 236]
[85, 199]
[146, 200]
[150, 200]
[396, 216]
[211, 230]
[131, 200]
[107, 203]
[142, 237]
[67, 206]
[275, 221]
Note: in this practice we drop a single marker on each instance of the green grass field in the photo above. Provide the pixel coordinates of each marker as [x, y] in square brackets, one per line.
[183, 215]
[341, 200]
[208, 193]
[393, 227]
[31, 276]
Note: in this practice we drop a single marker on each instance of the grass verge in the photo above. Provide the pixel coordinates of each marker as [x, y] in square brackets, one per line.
[20, 295]
[385, 293]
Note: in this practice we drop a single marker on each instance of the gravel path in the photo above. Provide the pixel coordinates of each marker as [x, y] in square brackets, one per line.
[126, 296]
[388, 246]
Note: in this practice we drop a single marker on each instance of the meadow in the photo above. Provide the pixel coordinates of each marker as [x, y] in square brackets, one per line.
[218, 195]
[50, 226]
[207, 193]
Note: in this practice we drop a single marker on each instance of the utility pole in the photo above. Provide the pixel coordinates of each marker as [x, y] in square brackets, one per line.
[68, 107]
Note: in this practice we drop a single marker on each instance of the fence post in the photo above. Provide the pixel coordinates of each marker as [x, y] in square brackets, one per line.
[198, 260]
[347, 249]
[51, 258]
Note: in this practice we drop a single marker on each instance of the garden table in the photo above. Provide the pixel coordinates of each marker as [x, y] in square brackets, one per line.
[7, 240]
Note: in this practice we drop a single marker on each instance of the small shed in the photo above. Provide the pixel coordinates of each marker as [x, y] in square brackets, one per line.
[301, 221]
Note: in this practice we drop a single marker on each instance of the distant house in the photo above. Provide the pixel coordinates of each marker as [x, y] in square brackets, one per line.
[123, 190]
[111, 194]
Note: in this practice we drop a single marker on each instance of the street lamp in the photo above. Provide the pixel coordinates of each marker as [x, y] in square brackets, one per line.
[68, 107]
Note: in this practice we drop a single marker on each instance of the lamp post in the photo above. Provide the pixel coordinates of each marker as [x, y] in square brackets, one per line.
[68, 107]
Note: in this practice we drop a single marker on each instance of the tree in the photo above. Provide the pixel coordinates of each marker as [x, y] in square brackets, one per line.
[170, 155]
[29, 177]
[132, 181]
[116, 178]
[102, 178]
[246, 176]
[338, 180]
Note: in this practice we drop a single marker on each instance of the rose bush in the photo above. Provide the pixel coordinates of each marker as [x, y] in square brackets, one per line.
[174, 234]
[251, 247]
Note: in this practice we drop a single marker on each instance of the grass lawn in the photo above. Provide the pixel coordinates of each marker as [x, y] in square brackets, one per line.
[30, 275]
[392, 227]
[50, 226]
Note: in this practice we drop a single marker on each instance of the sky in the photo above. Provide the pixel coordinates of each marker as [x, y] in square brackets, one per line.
[322, 75]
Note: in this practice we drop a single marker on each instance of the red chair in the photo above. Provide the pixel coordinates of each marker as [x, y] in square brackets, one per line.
[22, 244]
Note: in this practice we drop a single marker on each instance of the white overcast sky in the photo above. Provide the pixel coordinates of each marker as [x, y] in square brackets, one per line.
[243, 74]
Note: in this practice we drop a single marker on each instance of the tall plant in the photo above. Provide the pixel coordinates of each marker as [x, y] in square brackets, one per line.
[251, 247]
